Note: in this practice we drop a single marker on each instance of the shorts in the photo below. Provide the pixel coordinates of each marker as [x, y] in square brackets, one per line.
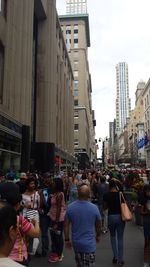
[146, 227]
[85, 259]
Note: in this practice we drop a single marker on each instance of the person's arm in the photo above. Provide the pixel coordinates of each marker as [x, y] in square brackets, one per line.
[34, 230]
[59, 204]
[66, 233]
[98, 230]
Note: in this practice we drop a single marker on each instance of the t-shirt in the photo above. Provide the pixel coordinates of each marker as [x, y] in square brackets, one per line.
[53, 209]
[83, 216]
[6, 262]
[113, 202]
[19, 251]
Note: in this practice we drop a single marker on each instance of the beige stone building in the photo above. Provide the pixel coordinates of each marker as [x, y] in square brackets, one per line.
[146, 102]
[36, 94]
[134, 127]
[76, 33]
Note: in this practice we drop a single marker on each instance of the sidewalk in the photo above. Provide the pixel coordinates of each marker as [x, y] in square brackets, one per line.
[133, 251]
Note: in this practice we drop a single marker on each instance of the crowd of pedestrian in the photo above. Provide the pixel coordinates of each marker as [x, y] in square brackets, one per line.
[47, 207]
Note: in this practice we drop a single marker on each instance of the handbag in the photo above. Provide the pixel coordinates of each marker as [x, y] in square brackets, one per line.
[32, 213]
[126, 214]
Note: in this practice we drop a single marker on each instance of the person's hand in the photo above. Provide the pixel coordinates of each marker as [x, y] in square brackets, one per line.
[68, 244]
[33, 221]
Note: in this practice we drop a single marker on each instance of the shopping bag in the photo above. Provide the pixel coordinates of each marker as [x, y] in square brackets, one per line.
[126, 214]
[35, 245]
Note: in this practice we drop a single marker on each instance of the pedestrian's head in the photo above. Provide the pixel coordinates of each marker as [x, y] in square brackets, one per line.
[103, 179]
[8, 228]
[58, 185]
[83, 192]
[84, 176]
[23, 176]
[10, 193]
[146, 191]
[31, 184]
[47, 179]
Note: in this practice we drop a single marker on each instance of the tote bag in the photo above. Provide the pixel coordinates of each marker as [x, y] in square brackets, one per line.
[126, 214]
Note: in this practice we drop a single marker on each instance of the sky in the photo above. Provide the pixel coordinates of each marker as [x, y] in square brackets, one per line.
[119, 32]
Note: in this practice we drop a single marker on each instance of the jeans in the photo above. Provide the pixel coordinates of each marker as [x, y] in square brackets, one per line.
[57, 241]
[44, 225]
[116, 227]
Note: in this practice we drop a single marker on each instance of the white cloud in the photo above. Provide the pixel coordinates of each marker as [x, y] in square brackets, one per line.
[119, 31]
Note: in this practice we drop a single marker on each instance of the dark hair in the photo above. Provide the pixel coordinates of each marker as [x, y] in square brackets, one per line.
[112, 183]
[10, 192]
[103, 179]
[30, 180]
[8, 218]
[84, 176]
[58, 185]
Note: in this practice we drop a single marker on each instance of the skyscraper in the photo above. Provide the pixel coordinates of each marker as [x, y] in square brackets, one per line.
[76, 7]
[123, 102]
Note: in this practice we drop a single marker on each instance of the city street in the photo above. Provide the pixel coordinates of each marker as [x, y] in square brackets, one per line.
[133, 251]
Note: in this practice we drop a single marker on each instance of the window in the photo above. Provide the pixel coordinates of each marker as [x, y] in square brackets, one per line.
[76, 142]
[75, 102]
[76, 114]
[75, 73]
[75, 88]
[3, 7]
[1, 70]
[76, 127]
[68, 31]
[76, 85]
[75, 30]
[76, 41]
[75, 93]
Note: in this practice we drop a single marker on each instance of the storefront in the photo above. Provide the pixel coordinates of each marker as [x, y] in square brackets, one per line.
[10, 143]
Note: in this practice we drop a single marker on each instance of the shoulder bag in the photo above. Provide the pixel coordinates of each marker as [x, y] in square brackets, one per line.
[126, 214]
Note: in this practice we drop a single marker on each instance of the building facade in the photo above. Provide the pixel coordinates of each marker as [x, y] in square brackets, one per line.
[76, 6]
[146, 103]
[123, 102]
[75, 29]
[36, 87]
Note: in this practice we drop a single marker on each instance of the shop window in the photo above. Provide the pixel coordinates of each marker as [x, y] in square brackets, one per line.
[3, 7]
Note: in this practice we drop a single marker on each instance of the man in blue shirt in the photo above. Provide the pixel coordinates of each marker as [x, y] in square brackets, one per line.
[85, 221]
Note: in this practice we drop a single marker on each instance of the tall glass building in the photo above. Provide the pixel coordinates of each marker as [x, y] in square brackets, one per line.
[123, 102]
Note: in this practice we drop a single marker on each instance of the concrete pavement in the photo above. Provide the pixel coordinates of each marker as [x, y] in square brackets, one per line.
[133, 251]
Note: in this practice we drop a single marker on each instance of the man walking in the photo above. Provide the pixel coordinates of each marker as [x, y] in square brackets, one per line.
[85, 221]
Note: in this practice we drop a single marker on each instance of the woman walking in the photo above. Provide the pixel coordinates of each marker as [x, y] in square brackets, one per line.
[115, 224]
[57, 214]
